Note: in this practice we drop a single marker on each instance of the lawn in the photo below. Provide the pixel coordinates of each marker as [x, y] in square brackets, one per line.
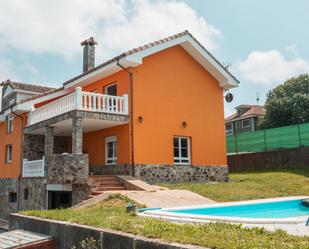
[254, 185]
[111, 214]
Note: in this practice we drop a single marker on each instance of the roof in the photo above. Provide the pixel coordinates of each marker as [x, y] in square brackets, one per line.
[27, 87]
[147, 46]
[253, 110]
[134, 57]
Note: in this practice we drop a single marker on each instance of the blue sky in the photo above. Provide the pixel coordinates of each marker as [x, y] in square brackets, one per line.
[266, 42]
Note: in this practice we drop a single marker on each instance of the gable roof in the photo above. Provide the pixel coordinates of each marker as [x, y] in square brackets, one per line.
[253, 111]
[134, 57]
[27, 87]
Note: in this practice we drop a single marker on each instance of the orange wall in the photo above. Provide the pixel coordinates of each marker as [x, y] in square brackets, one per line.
[171, 87]
[10, 170]
[94, 142]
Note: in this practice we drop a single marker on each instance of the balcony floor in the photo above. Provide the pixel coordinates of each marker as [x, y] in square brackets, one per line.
[91, 122]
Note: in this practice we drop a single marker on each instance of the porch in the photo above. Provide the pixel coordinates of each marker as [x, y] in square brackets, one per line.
[55, 133]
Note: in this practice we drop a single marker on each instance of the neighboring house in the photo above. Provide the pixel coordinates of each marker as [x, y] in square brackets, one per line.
[245, 119]
[155, 112]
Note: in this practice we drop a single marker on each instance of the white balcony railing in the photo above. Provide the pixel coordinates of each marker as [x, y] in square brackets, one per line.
[33, 168]
[83, 101]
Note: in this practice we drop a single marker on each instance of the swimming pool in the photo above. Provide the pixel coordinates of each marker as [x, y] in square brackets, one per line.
[276, 210]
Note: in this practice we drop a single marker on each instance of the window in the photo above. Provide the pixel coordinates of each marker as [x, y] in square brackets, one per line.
[9, 153]
[246, 123]
[228, 128]
[12, 197]
[237, 124]
[111, 150]
[181, 150]
[9, 127]
[111, 89]
[26, 193]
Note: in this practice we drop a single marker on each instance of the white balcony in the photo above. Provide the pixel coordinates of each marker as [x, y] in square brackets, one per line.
[33, 168]
[81, 101]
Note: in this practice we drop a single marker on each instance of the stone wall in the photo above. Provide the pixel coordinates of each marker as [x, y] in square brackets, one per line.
[6, 207]
[277, 159]
[181, 173]
[167, 173]
[36, 193]
[80, 192]
[35, 200]
[67, 235]
[34, 146]
[67, 168]
[119, 169]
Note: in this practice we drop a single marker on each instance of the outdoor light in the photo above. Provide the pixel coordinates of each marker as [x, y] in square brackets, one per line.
[184, 124]
[140, 119]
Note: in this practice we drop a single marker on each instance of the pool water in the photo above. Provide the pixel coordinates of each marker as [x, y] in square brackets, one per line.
[277, 209]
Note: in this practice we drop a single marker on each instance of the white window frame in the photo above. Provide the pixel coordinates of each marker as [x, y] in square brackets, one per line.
[112, 139]
[247, 126]
[229, 131]
[180, 158]
[110, 85]
[9, 126]
[238, 125]
[9, 153]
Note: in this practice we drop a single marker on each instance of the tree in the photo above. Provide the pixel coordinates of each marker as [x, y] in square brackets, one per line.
[287, 104]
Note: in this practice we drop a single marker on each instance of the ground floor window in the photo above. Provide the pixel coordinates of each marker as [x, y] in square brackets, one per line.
[181, 150]
[9, 153]
[111, 150]
[12, 197]
[59, 199]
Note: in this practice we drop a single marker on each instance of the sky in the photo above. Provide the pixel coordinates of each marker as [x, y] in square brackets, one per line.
[265, 42]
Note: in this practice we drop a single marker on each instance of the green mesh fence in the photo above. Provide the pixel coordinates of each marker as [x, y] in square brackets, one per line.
[262, 140]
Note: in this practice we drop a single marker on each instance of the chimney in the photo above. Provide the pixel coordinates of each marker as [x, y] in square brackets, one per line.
[89, 54]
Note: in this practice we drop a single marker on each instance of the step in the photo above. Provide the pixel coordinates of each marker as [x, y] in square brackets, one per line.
[97, 192]
[109, 188]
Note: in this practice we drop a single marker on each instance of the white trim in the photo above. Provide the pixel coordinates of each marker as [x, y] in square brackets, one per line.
[112, 139]
[225, 79]
[247, 126]
[9, 156]
[110, 85]
[180, 158]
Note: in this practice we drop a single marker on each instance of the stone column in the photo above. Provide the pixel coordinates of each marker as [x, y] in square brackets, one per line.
[77, 135]
[49, 140]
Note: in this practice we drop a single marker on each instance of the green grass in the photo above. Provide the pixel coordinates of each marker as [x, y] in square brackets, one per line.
[111, 214]
[255, 185]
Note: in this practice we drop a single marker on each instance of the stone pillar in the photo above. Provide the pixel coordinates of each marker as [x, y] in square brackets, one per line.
[77, 135]
[49, 140]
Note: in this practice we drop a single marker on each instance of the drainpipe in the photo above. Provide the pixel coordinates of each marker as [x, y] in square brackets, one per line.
[21, 156]
[131, 116]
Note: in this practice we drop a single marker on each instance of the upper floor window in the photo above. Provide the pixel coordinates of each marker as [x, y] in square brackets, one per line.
[246, 123]
[9, 123]
[111, 89]
[229, 128]
[181, 150]
[111, 150]
[9, 153]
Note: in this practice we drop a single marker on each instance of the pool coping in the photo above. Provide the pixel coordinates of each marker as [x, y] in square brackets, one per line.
[195, 218]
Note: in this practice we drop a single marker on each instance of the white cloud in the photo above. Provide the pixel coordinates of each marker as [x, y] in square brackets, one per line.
[292, 49]
[57, 27]
[6, 70]
[271, 67]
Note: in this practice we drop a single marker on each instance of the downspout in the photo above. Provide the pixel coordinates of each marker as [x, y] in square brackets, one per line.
[131, 116]
[21, 156]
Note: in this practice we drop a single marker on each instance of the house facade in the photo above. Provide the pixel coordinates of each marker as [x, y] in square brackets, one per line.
[245, 119]
[154, 112]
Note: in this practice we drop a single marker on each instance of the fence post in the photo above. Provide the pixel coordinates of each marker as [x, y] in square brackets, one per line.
[299, 136]
[265, 143]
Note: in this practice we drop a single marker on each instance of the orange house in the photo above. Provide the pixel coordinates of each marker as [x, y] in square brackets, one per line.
[163, 113]
[155, 112]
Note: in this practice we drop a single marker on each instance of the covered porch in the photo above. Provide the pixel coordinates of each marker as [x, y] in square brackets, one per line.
[55, 134]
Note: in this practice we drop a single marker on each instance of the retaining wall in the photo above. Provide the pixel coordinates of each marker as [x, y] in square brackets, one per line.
[67, 235]
[277, 159]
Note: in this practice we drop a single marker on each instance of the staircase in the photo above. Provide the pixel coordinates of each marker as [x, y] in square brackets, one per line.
[101, 183]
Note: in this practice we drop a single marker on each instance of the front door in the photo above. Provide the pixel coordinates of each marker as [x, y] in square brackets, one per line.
[111, 150]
